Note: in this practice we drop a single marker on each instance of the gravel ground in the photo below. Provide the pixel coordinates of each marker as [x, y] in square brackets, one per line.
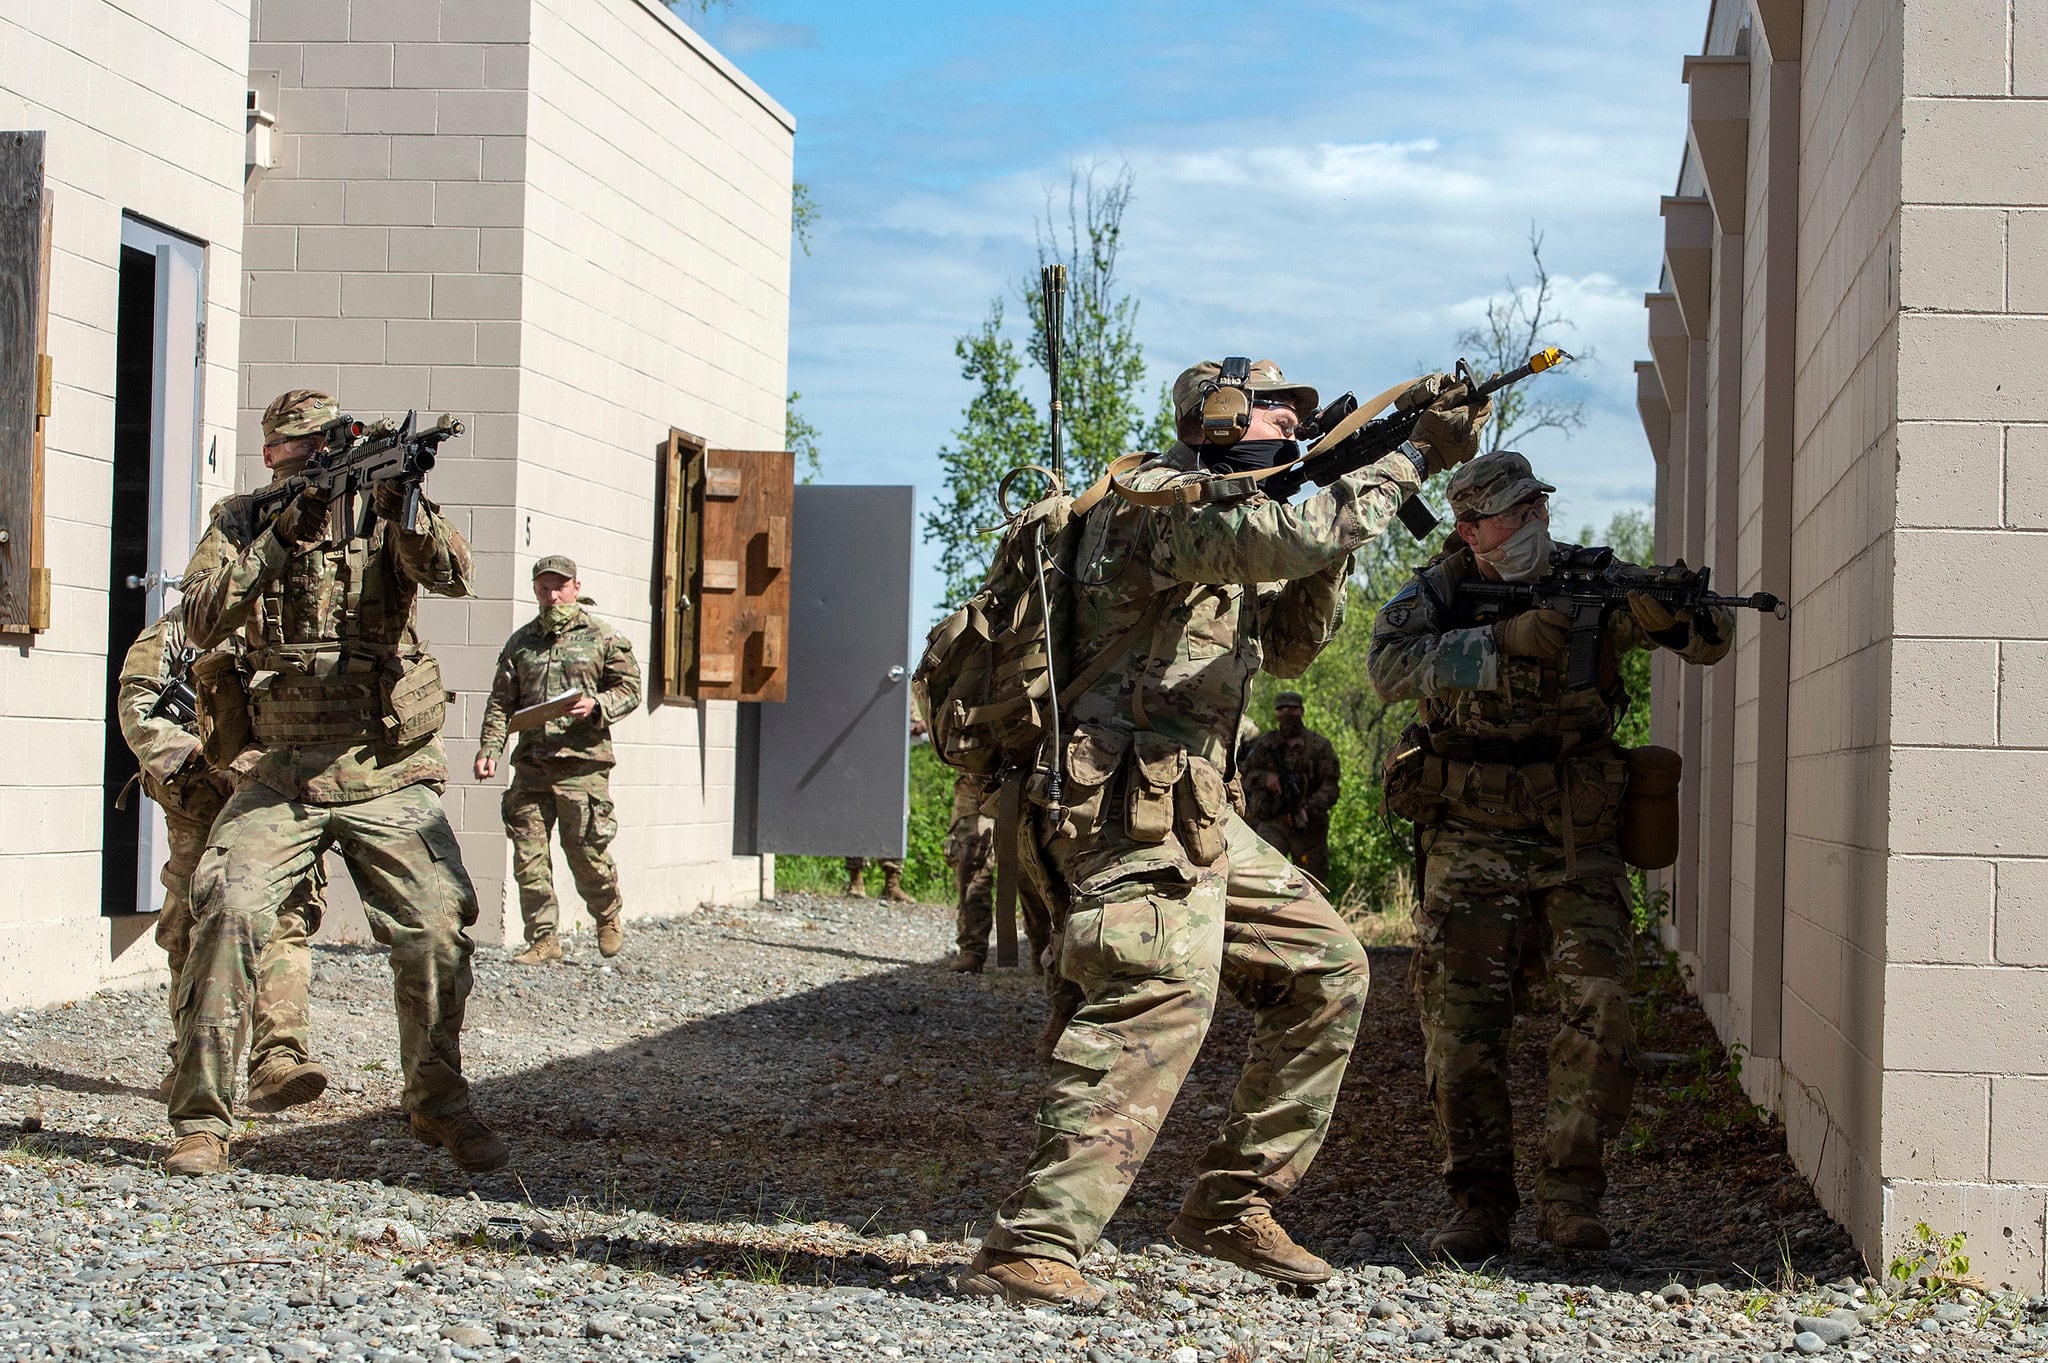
[774, 1131]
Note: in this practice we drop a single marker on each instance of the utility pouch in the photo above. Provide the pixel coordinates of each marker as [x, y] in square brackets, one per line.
[1412, 778]
[1649, 808]
[1093, 755]
[223, 707]
[414, 702]
[1199, 802]
[1148, 799]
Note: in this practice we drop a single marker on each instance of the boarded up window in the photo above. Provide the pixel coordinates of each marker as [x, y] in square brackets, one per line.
[743, 584]
[678, 542]
[24, 381]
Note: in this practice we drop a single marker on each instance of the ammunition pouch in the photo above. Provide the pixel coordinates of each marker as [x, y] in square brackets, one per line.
[1649, 811]
[1536, 784]
[1158, 764]
[1158, 788]
[1200, 802]
[223, 703]
[415, 703]
[313, 695]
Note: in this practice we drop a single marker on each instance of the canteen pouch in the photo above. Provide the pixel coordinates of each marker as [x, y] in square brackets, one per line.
[1649, 809]
[223, 707]
[1199, 802]
[1093, 755]
[415, 704]
[1157, 767]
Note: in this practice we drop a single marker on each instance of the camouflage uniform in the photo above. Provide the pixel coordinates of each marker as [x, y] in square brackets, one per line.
[177, 777]
[1507, 879]
[1172, 895]
[561, 772]
[1300, 830]
[330, 637]
[970, 848]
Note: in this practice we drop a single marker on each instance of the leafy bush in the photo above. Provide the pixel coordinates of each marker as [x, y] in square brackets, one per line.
[925, 873]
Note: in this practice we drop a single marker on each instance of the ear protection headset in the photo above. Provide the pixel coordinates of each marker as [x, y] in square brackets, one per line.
[1227, 403]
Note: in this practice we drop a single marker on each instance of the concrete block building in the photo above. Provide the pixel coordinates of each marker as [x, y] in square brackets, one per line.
[564, 221]
[1845, 403]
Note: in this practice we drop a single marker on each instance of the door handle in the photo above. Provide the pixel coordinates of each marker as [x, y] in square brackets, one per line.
[897, 673]
[155, 578]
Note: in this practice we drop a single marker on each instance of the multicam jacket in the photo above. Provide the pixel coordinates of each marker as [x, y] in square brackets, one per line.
[345, 608]
[1304, 758]
[1230, 586]
[166, 750]
[1462, 683]
[538, 664]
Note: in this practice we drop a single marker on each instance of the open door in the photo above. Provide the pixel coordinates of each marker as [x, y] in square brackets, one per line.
[154, 516]
[833, 770]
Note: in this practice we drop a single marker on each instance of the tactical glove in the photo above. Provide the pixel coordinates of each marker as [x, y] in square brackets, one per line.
[1533, 634]
[303, 522]
[1448, 435]
[387, 499]
[1673, 629]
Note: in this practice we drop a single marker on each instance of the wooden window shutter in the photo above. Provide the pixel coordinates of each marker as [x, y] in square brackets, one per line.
[743, 579]
[25, 381]
[678, 541]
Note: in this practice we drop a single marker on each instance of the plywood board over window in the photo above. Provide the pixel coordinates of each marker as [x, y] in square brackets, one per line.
[25, 381]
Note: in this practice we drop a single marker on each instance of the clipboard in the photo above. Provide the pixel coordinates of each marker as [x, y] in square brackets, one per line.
[554, 707]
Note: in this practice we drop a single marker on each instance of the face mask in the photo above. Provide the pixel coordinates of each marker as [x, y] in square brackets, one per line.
[557, 617]
[1248, 455]
[1523, 556]
[1289, 723]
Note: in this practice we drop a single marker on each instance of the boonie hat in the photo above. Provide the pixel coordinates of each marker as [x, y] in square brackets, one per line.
[1492, 483]
[300, 411]
[1266, 381]
[555, 563]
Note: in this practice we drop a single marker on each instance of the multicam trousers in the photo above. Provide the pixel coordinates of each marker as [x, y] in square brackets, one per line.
[1490, 901]
[1149, 952]
[279, 1024]
[404, 860]
[581, 807]
[974, 875]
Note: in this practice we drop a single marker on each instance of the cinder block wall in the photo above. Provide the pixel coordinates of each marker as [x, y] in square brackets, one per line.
[1965, 1045]
[143, 116]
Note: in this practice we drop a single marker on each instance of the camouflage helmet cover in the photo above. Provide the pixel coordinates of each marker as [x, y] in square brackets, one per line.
[1492, 483]
[301, 411]
[1266, 380]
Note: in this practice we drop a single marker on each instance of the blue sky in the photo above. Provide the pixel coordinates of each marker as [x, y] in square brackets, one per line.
[1339, 184]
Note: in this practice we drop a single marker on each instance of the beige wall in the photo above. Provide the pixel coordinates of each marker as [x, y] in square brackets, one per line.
[1872, 923]
[144, 115]
[569, 225]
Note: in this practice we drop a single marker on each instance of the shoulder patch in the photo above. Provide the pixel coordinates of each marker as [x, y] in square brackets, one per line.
[1397, 616]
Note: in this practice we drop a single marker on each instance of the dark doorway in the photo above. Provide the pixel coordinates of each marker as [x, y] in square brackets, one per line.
[128, 556]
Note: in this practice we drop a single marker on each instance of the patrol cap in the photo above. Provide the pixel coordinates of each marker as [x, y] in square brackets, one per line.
[1492, 483]
[555, 563]
[300, 411]
[1287, 698]
[1266, 380]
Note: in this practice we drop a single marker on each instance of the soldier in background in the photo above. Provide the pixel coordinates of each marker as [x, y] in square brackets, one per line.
[175, 773]
[970, 848]
[561, 770]
[341, 709]
[1515, 786]
[892, 879]
[1290, 777]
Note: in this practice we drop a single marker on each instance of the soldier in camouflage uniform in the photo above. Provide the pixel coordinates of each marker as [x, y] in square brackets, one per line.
[1515, 785]
[561, 772]
[970, 848]
[341, 708]
[176, 775]
[892, 879]
[1290, 777]
[1172, 896]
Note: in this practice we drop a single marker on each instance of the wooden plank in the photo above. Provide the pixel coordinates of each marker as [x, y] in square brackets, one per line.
[23, 298]
[745, 574]
[680, 460]
[723, 483]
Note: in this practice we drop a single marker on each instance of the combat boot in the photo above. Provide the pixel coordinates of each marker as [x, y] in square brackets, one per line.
[966, 963]
[1028, 1281]
[541, 952]
[1475, 1234]
[857, 887]
[1254, 1241]
[611, 935]
[892, 888]
[283, 1083]
[470, 1143]
[1570, 1226]
[198, 1155]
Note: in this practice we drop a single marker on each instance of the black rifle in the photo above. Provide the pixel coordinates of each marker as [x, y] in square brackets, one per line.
[1586, 585]
[351, 460]
[178, 702]
[1338, 452]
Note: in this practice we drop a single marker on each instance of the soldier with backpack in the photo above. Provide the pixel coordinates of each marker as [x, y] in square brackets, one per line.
[1121, 689]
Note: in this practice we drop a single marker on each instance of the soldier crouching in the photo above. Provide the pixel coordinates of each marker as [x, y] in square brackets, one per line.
[1515, 785]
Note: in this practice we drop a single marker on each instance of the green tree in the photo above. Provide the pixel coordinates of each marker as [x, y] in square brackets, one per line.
[800, 437]
[1102, 373]
[1521, 320]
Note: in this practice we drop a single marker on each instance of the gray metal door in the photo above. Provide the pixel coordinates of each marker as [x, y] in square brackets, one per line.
[835, 757]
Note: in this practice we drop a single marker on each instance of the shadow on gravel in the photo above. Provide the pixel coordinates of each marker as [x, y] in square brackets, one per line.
[16, 1074]
[904, 1100]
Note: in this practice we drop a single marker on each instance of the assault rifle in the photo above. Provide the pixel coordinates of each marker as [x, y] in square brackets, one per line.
[1586, 585]
[178, 702]
[1347, 439]
[351, 460]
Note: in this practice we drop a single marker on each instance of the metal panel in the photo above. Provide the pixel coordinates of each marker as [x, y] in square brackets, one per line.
[834, 775]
